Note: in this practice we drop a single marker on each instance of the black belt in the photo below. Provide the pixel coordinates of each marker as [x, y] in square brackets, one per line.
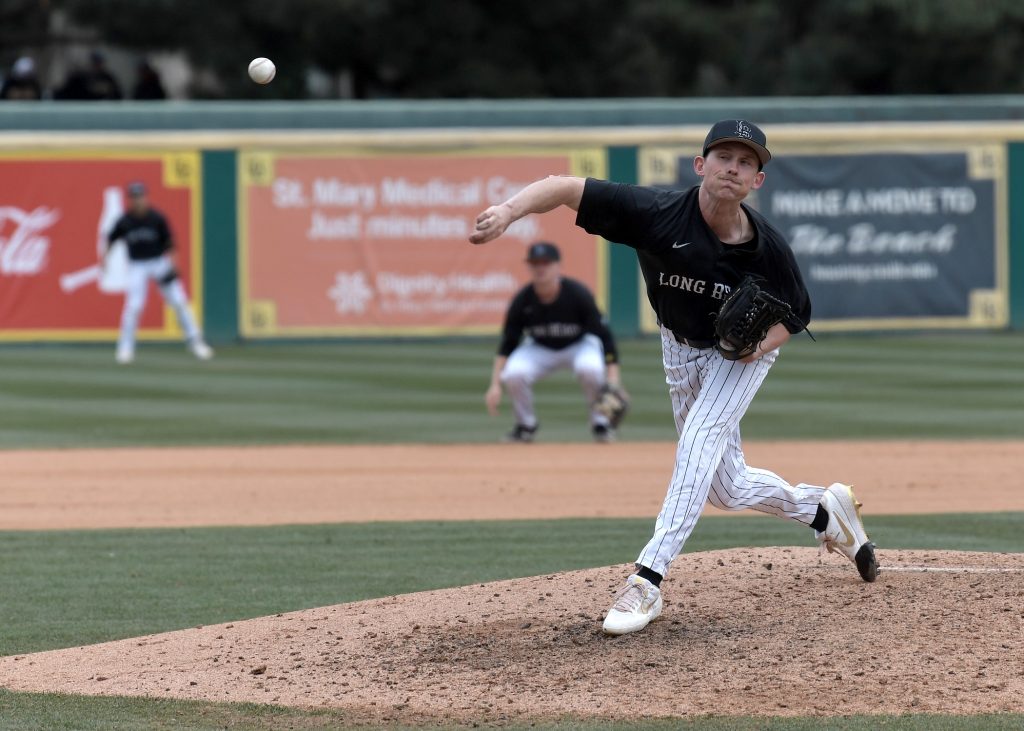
[694, 343]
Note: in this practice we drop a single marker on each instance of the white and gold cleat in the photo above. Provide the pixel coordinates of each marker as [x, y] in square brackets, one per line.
[637, 604]
[844, 533]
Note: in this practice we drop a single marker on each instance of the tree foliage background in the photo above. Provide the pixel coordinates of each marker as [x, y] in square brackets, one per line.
[574, 48]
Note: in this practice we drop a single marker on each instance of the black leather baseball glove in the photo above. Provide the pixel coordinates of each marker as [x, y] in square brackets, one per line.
[745, 318]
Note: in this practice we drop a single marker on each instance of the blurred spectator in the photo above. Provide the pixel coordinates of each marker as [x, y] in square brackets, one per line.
[22, 82]
[94, 83]
[147, 83]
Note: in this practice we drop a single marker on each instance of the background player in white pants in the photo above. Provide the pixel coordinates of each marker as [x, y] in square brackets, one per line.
[147, 236]
[564, 330]
[693, 247]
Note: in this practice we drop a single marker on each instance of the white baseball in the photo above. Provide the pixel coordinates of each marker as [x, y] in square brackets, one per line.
[262, 70]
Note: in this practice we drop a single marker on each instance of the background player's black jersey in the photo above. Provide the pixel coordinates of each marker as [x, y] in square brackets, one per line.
[147, 236]
[559, 324]
[688, 270]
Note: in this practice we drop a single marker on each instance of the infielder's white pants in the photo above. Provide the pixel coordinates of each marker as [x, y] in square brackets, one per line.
[530, 362]
[139, 274]
[709, 397]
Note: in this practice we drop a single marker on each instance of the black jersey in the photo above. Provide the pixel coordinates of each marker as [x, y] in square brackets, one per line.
[147, 236]
[559, 324]
[687, 268]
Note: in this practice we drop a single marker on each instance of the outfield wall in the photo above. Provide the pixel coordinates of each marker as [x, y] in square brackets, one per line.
[55, 208]
[331, 233]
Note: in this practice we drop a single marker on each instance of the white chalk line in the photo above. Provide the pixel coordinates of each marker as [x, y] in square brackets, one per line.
[949, 570]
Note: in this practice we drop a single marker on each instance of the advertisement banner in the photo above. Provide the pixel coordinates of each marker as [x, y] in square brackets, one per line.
[889, 239]
[55, 211]
[342, 243]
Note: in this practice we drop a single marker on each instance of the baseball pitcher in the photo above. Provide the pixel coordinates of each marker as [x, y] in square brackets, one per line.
[695, 247]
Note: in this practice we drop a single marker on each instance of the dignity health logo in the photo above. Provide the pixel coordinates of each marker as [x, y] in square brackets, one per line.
[24, 249]
[351, 292]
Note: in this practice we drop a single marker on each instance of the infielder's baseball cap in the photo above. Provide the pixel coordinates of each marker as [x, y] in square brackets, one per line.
[738, 130]
[543, 251]
[136, 189]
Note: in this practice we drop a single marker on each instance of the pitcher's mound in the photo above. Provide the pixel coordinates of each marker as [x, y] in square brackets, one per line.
[771, 631]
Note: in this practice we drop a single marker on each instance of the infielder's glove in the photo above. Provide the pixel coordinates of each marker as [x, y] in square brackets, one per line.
[745, 318]
[613, 403]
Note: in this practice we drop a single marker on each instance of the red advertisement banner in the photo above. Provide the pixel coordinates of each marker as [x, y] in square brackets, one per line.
[336, 244]
[55, 211]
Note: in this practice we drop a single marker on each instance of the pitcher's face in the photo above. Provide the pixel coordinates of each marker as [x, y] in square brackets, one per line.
[730, 171]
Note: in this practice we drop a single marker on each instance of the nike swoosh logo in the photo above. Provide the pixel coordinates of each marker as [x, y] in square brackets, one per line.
[677, 245]
[848, 543]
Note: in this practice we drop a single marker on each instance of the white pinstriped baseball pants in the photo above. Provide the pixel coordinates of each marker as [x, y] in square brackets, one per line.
[709, 397]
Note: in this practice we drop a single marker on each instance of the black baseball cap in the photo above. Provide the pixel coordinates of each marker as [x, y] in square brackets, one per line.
[136, 189]
[738, 130]
[543, 251]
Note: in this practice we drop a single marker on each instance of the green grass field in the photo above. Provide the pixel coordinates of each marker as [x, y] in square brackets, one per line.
[953, 386]
[77, 587]
[67, 588]
[58, 712]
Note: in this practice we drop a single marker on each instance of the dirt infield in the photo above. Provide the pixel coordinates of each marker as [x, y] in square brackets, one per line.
[279, 485]
[764, 632]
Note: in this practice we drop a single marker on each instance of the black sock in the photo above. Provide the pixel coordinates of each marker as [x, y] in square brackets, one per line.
[820, 522]
[652, 576]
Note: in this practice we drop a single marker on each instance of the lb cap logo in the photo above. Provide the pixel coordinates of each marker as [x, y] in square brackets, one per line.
[738, 130]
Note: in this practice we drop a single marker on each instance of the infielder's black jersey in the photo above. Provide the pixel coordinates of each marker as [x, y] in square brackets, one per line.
[147, 236]
[559, 324]
[687, 268]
